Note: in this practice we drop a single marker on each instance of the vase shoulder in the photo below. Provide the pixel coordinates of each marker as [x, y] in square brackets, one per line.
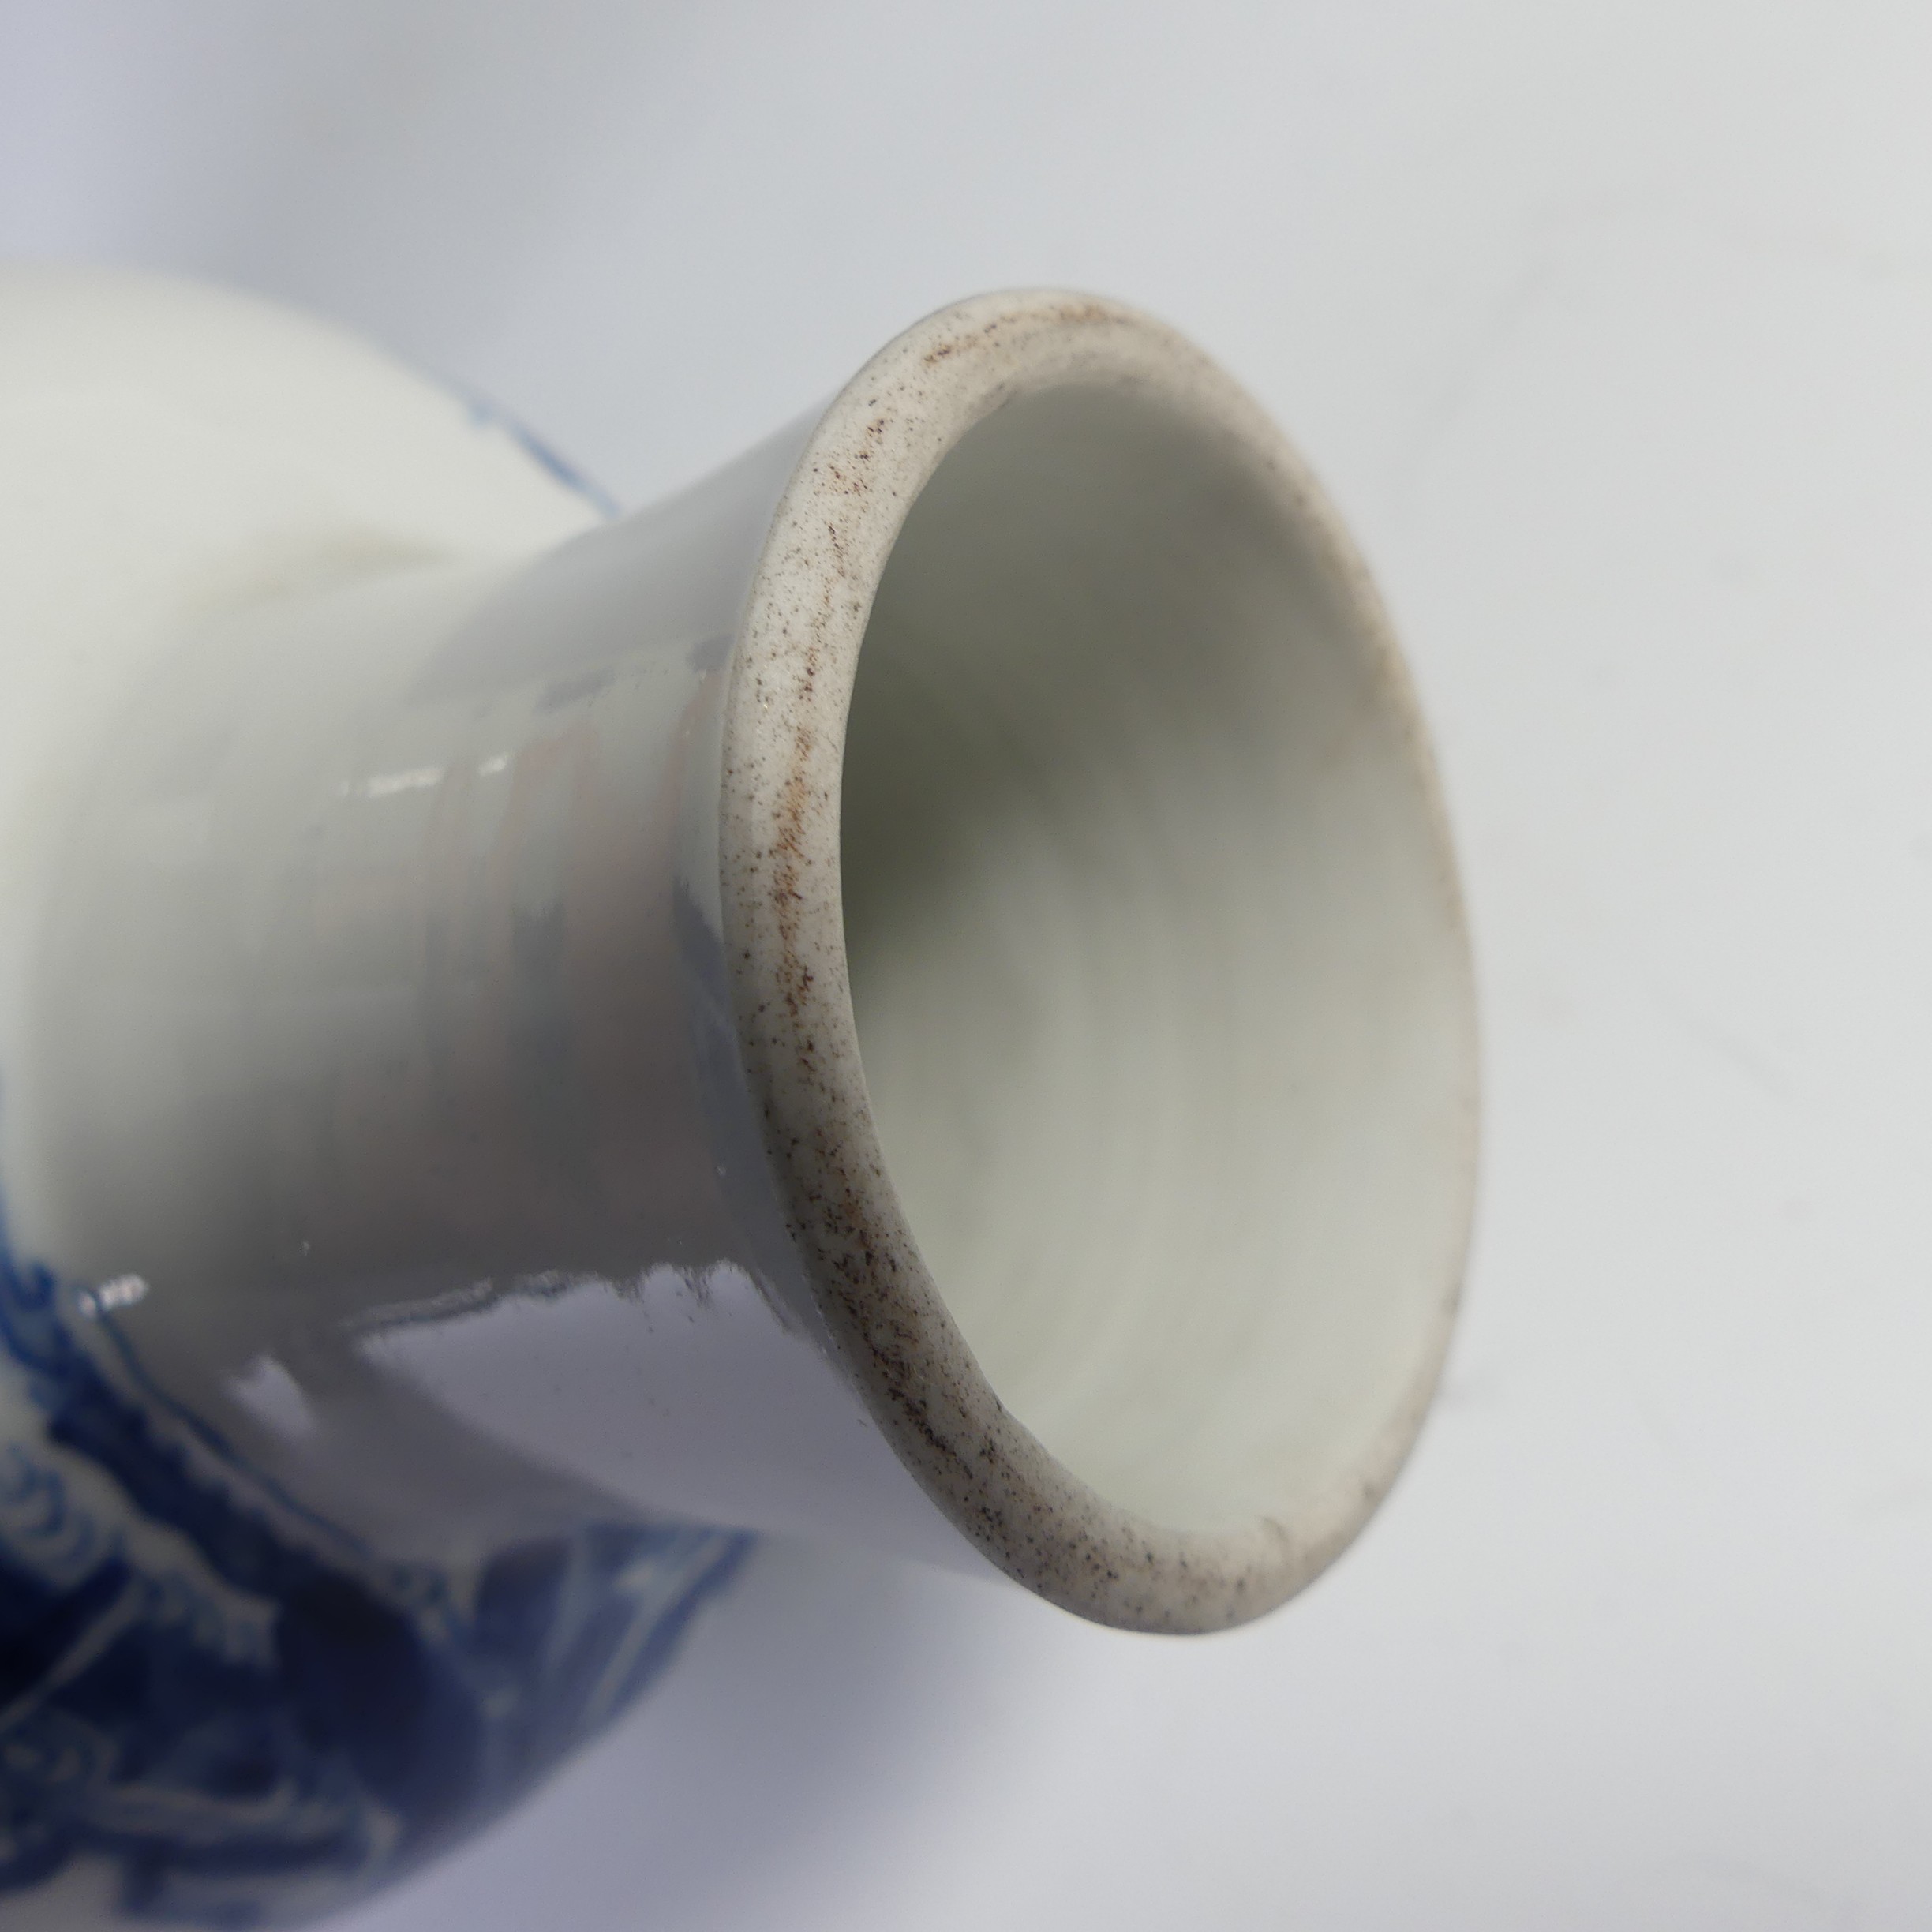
[222, 1700]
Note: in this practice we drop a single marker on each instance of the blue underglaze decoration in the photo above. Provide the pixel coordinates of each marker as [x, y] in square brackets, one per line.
[483, 411]
[252, 1715]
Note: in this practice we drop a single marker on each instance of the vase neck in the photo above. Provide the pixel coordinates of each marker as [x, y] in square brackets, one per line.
[383, 977]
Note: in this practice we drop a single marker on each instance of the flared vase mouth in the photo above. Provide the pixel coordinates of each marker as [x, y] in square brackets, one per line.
[1153, 1317]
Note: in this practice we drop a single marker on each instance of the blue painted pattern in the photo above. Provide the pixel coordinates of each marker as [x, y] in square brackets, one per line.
[254, 1716]
[484, 410]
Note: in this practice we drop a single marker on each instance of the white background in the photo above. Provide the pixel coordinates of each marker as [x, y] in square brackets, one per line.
[1610, 325]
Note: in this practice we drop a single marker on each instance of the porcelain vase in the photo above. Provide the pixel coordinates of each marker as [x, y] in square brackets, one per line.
[912, 994]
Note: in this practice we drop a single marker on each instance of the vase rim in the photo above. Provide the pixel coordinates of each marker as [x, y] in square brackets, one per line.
[863, 467]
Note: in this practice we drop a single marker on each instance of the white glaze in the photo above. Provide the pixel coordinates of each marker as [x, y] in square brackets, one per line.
[1148, 1259]
[426, 971]
[374, 999]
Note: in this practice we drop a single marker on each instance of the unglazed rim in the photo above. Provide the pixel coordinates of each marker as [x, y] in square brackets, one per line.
[792, 676]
